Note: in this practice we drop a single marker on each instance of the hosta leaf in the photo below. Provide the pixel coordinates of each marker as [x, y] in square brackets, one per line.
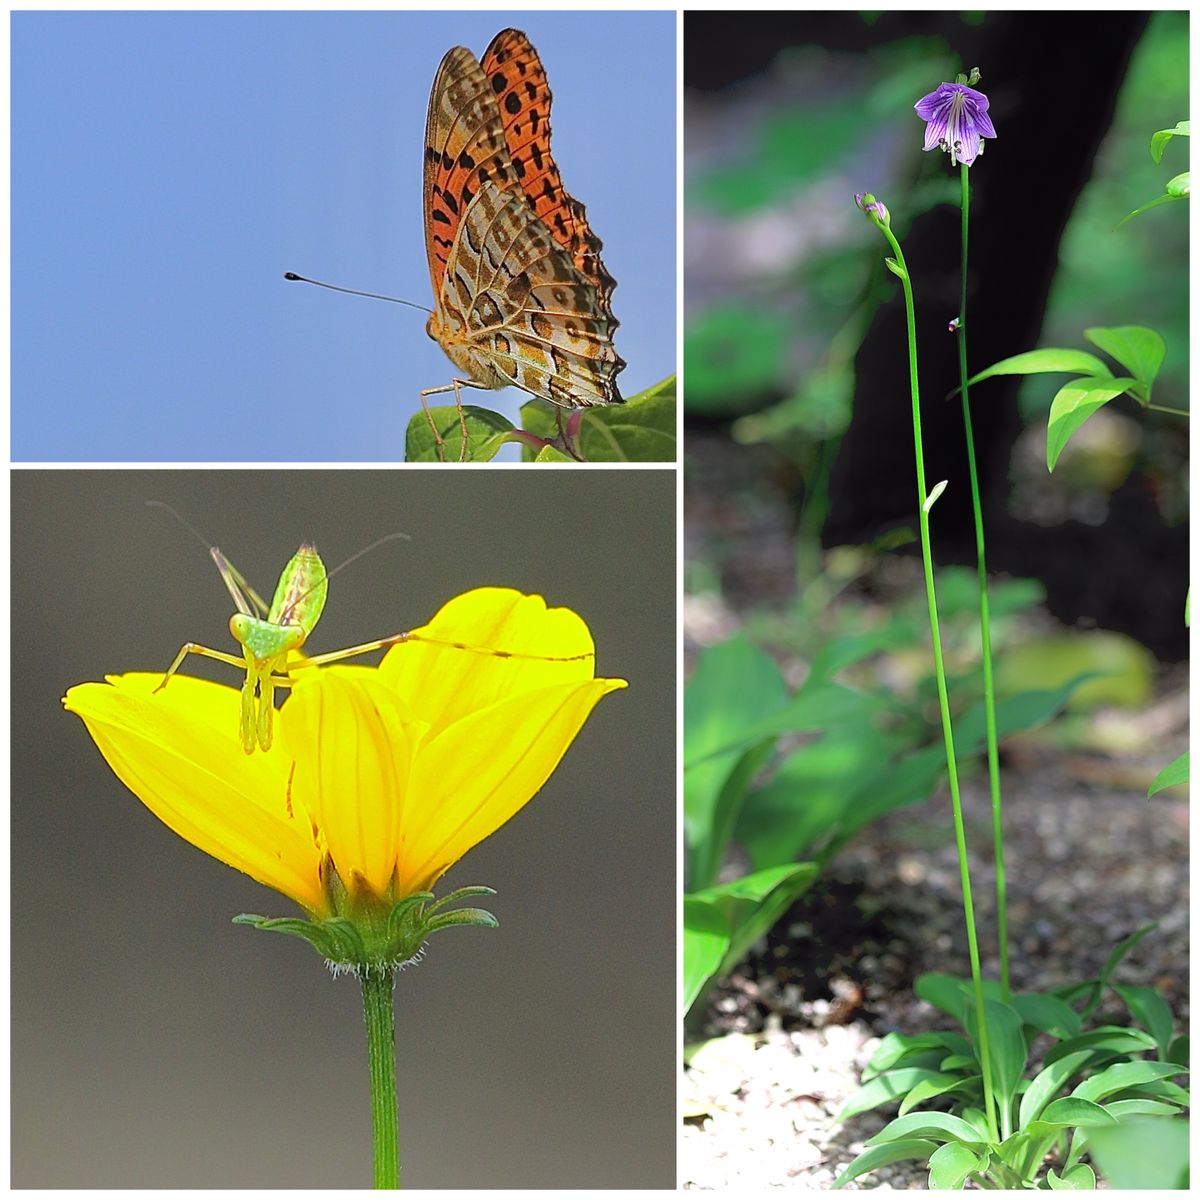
[882, 1156]
[950, 1164]
[1124, 1075]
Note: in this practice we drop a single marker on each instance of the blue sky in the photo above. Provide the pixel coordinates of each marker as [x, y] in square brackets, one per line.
[168, 168]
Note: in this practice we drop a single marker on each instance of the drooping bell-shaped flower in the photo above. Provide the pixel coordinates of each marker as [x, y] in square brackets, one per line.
[956, 121]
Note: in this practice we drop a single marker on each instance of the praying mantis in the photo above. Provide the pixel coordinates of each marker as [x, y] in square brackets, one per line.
[268, 634]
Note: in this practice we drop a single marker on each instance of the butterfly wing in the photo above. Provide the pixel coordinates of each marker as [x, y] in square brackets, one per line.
[521, 294]
[464, 146]
[523, 98]
[514, 296]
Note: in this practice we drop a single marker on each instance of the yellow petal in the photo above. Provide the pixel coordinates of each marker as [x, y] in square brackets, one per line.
[346, 730]
[474, 775]
[443, 683]
[179, 753]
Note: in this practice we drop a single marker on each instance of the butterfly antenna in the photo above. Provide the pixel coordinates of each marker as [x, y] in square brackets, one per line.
[333, 287]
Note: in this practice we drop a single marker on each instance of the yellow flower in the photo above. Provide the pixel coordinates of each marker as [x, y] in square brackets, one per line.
[384, 776]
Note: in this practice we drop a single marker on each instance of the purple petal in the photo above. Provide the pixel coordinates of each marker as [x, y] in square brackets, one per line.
[983, 123]
[928, 106]
[935, 131]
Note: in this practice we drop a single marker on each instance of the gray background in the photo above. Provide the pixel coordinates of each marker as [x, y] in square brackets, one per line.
[154, 1044]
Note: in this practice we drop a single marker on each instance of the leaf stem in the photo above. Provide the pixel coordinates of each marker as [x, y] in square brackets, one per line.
[989, 690]
[1163, 408]
[943, 698]
[381, 1054]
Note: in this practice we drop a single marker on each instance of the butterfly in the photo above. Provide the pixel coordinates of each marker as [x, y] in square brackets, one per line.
[521, 295]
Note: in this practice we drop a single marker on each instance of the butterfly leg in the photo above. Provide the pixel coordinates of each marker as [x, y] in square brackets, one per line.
[452, 386]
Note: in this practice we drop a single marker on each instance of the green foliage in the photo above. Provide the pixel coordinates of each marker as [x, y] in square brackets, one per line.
[1089, 1090]
[640, 430]
[1142, 1151]
[487, 431]
[1172, 775]
[1178, 188]
[869, 750]
[1140, 351]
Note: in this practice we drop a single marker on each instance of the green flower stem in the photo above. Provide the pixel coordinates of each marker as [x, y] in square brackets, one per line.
[381, 1052]
[943, 699]
[989, 690]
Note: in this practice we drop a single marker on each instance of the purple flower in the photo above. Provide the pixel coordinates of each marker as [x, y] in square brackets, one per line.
[875, 209]
[956, 121]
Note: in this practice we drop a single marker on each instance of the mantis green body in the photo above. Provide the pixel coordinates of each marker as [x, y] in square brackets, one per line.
[269, 635]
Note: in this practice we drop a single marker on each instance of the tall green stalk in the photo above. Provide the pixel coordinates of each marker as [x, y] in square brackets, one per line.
[989, 691]
[923, 502]
[381, 1054]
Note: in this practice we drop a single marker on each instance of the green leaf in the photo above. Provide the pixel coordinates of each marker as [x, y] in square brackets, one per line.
[1074, 403]
[1179, 1051]
[1166, 198]
[946, 993]
[1047, 1013]
[1117, 953]
[950, 1164]
[842, 652]
[1072, 1110]
[1139, 350]
[1141, 1108]
[939, 1126]
[1113, 1039]
[1172, 775]
[814, 709]
[1150, 1011]
[1180, 187]
[722, 923]
[640, 430]
[883, 1156]
[894, 1048]
[1006, 1046]
[705, 943]
[734, 687]
[884, 1088]
[487, 431]
[1079, 1178]
[1158, 143]
[552, 455]
[1124, 1075]
[1016, 714]
[1048, 1082]
[932, 498]
[1143, 1154]
[1162, 1089]
[1043, 362]
[941, 1085]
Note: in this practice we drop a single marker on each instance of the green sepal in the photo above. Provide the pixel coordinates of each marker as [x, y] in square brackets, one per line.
[379, 937]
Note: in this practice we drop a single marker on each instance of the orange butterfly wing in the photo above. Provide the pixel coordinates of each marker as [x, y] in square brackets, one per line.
[522, 295]
[523, 98]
